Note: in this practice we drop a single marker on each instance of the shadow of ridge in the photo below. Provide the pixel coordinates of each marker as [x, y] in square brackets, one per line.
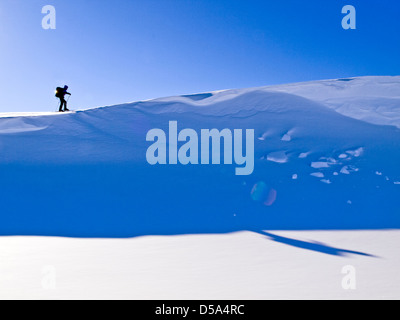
[313, 246]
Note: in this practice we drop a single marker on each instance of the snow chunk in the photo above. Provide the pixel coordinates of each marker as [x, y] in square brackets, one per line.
[349, 169]
[317, 174]
[356, 153]
[304, 155]
[286, 137]
[278, 157]
[345, 170]
[318, 165]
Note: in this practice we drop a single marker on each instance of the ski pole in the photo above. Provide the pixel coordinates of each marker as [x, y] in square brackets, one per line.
[66, 104]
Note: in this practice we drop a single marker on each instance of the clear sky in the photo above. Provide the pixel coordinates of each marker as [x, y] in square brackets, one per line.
[111, 52]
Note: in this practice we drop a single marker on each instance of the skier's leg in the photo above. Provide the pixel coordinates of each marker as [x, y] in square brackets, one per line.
[61, 104]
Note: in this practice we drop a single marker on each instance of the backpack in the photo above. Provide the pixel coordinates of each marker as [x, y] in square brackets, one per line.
[59, 92]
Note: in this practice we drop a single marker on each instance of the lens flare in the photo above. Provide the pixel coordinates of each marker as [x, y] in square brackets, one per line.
[264, 194]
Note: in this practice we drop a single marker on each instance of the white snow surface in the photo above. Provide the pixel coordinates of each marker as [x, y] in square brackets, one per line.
[372, 99]
[239, 266]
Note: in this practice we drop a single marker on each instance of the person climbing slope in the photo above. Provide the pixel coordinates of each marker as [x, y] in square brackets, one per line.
[60, 93]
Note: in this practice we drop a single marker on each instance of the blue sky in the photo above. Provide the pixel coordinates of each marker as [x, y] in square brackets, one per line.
[112, 52]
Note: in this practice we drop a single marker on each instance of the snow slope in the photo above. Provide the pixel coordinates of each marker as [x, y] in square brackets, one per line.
[317, 166]
[326, 158]
[371, 99]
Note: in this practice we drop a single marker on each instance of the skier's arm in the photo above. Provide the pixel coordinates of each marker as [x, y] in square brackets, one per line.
[67, 93]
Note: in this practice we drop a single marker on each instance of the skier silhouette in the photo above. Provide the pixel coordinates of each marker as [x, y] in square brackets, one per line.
[60, 93]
